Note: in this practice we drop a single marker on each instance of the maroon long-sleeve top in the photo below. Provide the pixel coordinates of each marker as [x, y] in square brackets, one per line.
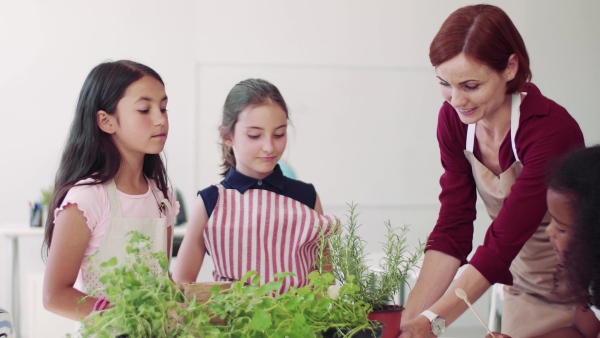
[546, 131]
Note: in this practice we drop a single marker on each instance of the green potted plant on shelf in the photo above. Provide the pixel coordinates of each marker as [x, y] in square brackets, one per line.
[378, 282]
[45, 203]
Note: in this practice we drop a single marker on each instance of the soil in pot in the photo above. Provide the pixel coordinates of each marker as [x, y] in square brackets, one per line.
[389, 316]
[365, 333]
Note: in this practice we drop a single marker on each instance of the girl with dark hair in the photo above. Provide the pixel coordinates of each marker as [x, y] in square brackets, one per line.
[496, 133]
[574, 204]
[111, 180]
[255, 218]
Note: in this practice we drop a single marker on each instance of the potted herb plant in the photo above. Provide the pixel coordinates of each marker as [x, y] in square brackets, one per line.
[377, 283]
[318, 309]
[146, 304]
[254, 310]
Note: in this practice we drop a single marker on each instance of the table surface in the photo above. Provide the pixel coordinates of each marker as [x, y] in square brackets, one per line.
[20, 230]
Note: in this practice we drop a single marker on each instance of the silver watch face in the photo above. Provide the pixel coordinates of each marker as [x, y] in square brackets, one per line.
[438, 326]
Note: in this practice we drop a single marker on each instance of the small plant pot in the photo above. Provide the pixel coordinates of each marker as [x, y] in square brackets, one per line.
[389, 316]
[364, 333]
[201, 292]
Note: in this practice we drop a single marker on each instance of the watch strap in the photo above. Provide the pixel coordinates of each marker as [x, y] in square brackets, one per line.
[429, 315]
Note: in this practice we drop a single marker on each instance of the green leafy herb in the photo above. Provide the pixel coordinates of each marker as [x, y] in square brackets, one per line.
[147, 303]
[350, 261]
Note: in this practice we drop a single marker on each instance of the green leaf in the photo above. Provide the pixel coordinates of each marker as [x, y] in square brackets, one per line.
[261, 320]
[299, 319]
[111, 262]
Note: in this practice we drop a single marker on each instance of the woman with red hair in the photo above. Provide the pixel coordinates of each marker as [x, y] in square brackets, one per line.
[497, 135]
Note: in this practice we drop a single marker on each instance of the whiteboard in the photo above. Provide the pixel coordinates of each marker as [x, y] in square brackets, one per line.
[359, 134]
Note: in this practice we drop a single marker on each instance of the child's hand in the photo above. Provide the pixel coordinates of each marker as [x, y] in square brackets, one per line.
[497, 335]
[177, 319]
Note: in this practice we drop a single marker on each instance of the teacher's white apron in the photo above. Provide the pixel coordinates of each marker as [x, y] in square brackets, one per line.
[533, 304]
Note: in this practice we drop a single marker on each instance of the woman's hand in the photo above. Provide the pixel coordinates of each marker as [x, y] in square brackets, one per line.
[437, 272]
[418, 327]
[497, 335]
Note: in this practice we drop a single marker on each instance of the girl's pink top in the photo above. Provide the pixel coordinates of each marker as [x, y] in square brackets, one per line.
[92, 200]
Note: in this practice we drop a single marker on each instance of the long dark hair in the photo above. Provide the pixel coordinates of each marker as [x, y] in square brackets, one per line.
[486, 34]
[577, 177]
[247, 93]
[89, 152]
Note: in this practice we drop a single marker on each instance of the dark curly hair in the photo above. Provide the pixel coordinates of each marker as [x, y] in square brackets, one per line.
[577, 177]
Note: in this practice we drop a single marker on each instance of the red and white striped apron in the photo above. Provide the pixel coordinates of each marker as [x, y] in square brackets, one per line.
[264, 231]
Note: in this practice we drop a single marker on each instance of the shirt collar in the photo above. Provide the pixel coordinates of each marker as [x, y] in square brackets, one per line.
[533, 103]
[240, 182]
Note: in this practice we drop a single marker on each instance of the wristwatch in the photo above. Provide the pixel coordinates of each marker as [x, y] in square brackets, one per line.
[438, 324]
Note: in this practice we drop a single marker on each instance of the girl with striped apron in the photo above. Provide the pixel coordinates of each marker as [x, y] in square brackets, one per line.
[264, 231]
[537, 301]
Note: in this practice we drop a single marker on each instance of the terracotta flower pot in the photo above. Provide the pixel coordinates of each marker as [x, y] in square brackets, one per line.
[365, 333]
[389, 316]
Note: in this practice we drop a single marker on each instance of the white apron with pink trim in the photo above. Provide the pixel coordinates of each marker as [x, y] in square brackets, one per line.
[263, 231]
[534, 304]
[115, 239]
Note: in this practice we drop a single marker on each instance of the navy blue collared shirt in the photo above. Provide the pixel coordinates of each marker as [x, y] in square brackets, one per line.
[276, 182]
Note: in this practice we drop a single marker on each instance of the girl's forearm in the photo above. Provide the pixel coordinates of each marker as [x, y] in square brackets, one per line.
[70, 303]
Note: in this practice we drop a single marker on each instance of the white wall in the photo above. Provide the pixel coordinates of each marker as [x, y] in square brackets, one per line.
[47, 49]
